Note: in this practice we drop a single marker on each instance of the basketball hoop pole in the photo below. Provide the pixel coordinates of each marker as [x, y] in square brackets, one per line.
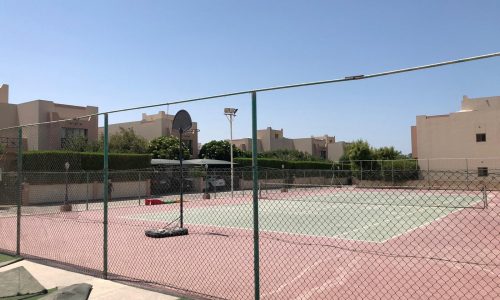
[182, 180]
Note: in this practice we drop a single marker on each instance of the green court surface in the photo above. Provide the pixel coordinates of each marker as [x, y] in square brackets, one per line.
[376, 222]
[6, 258]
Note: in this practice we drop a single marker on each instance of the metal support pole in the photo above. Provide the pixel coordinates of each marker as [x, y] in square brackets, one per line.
[19, 188]
[232, 159]
[105, 196]
[139, 191]
[392, 171]
[181, 220]
[255, 198]
[467, 172]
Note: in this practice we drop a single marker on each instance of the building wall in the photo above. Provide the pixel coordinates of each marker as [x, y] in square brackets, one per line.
[4, 94]
[157, 125]
[48, 136]
[452, 137]
[336, 150]
[414, 148]
[246, 144]
[271, 139]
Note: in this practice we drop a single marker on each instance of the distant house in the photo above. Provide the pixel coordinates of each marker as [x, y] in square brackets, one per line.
[270, 139]
[469, 138]
[48, 136]
[157, 125]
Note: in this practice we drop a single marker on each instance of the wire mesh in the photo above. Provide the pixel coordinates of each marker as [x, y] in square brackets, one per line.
[407, 229]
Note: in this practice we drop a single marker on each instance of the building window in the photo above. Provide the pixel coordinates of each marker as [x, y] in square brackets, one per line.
[480, 137]
[482, 171]
[323, 154]
[276, 135]
[67, 134]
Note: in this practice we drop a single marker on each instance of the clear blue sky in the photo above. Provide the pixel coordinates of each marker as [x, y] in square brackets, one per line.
[116, 54]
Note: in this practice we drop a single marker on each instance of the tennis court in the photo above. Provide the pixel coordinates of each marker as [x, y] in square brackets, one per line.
[362, 215]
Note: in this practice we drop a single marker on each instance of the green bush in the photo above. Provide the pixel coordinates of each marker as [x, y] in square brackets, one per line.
[54, 161]
[278, 163]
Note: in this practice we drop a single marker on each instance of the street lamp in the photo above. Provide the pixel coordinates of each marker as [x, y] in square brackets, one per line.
[231, 114]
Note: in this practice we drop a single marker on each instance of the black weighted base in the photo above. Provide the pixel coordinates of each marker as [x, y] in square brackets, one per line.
[163, 233]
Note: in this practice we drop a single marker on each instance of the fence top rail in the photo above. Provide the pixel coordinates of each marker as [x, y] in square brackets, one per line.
[346, 78]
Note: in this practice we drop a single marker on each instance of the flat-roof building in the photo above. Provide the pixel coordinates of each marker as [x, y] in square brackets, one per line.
[48, 136]
[157, 125]
[270, 139]
[469, 138]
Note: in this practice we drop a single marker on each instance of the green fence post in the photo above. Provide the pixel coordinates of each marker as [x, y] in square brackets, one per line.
[19, 188]
[255, 198]
[105, 196]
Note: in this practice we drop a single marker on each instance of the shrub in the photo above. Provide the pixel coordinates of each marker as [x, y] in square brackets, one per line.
[54, 161]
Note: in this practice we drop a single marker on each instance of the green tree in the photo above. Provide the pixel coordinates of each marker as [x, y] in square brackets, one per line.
[387, 153]
[219, 150]
[359, 150]
[126, 141]
[2, 148]
[289, 155]
[77, 143]
[167, 147]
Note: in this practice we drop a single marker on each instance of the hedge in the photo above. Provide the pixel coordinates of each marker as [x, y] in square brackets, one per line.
[277, 163]
[54, 161]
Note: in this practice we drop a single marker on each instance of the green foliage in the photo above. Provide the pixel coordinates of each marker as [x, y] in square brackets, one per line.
[219, 150]
[2, 149]
[54, 161]
[278, 163]
[387, 153]
[167, 147]
[359, 150]
[126, 141]
[76, 143]
[290, 155]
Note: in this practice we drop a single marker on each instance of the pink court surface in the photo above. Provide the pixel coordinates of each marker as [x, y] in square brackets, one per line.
[451, 254]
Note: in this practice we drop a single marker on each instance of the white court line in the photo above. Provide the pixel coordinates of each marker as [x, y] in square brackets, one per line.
[299, 276]
[425, 224]
[380, 222]
[337, 236]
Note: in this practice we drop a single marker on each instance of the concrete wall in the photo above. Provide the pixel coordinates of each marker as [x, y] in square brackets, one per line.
[55, 193]
[336, 150]
[305, 145]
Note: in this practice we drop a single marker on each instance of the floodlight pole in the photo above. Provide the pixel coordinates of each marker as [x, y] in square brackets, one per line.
[230, 114]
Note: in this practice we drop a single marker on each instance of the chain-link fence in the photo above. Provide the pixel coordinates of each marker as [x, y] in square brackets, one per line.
[408, 229]
[324, 234]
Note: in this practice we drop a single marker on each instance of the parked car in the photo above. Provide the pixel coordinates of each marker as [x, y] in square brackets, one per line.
[215, 182]
[164, 183]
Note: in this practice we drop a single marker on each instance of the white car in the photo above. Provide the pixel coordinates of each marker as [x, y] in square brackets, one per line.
[215, 181]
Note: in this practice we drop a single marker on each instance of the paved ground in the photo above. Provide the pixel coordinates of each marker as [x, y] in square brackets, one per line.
[102, 289]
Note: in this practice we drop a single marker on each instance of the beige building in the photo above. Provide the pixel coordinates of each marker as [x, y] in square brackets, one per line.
[48, 136]
[467, 139]
[157, 125]
[270, 139]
